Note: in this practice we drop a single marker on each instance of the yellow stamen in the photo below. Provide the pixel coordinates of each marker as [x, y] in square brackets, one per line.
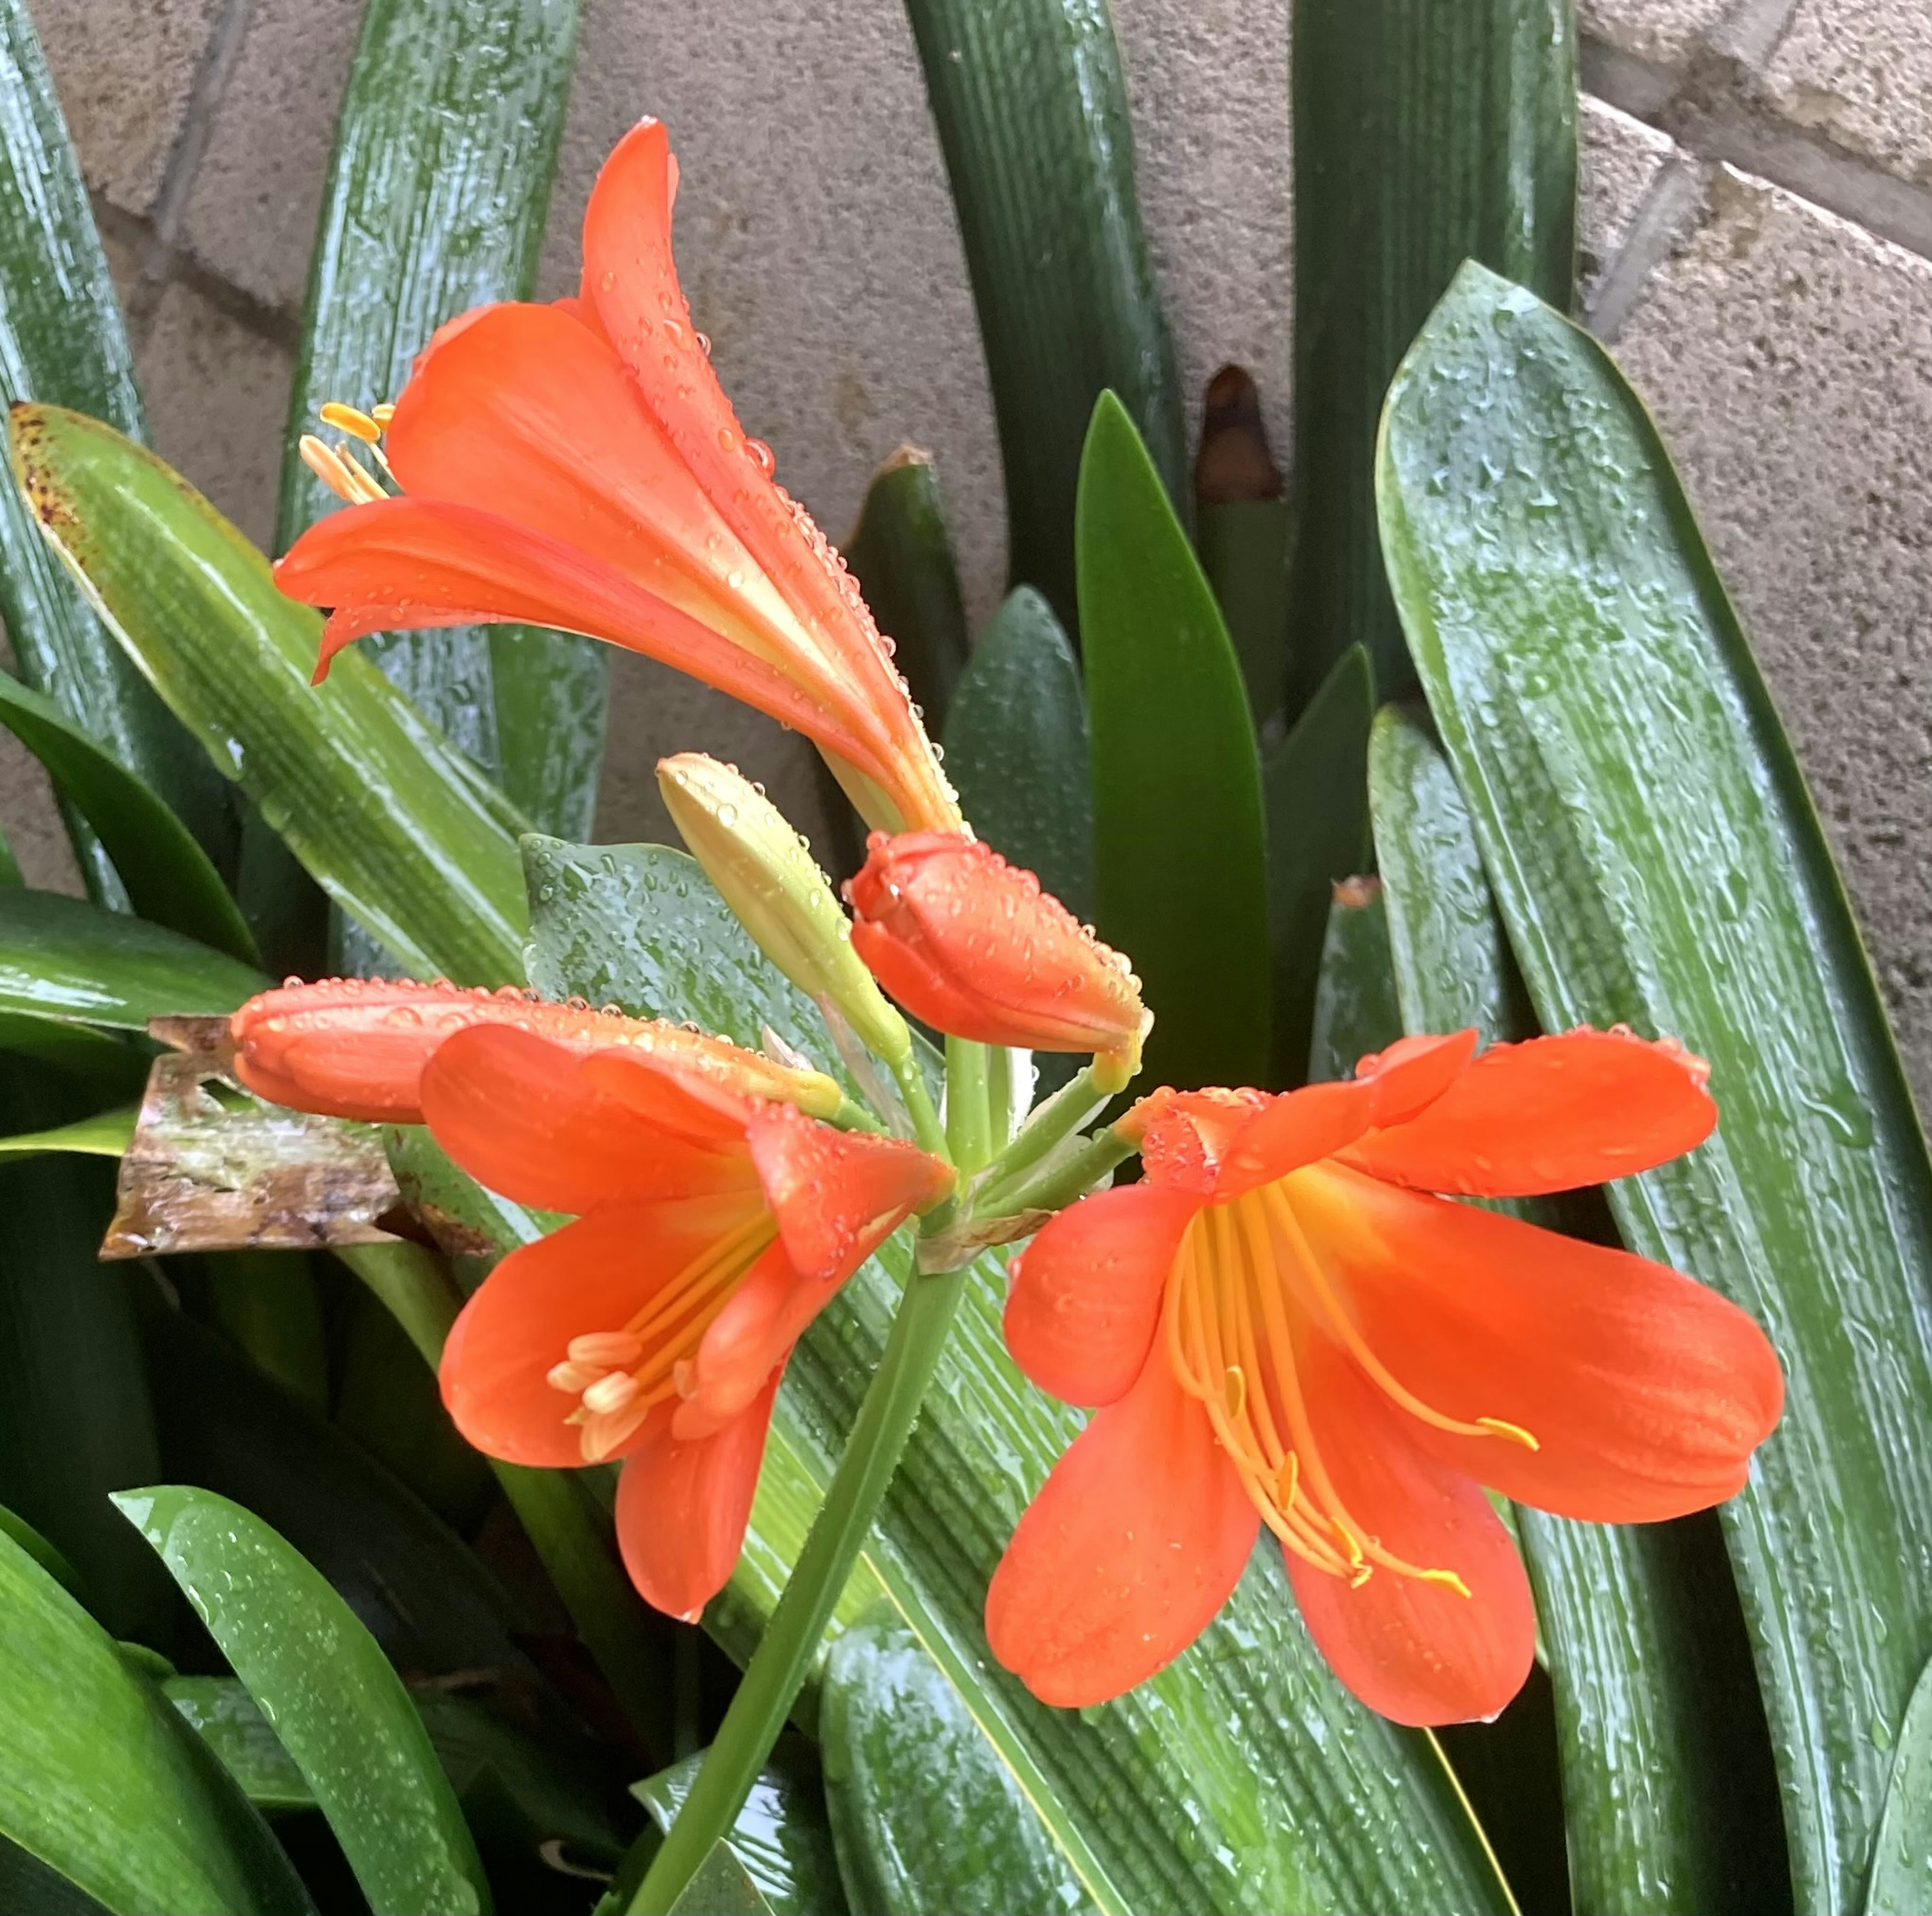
[1235, 1390]
[1514, 1432]
[573, 1379]
[615, 1392]
[351, 420]
[609, 1348]
[382, 414]
[339, 471]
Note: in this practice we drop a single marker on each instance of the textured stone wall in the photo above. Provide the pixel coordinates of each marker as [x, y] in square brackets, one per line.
[1757, 229]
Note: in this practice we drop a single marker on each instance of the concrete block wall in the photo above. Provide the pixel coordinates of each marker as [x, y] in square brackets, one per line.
[1757, 249]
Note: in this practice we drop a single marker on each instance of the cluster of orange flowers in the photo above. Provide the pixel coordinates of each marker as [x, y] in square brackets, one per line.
[1287, 1321]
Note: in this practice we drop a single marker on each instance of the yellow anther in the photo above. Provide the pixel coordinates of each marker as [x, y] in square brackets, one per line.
[1234, 1390]
[1448, 1579]
[382, 414]
[1288, 1480]
[1514, 1432]
[615, 1391]
[351, 420]
[339, 472]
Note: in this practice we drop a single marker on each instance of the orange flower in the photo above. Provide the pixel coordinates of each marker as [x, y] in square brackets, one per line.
[974, 947]
[579, 465]
[713, 1228]
[356, 1048]
[1284, 1327]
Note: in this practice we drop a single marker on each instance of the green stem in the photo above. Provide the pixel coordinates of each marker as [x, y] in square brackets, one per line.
[999, 1098]
[969, 1134]
[418, 1293]
[779, 1667]
[852, 1116]
[911, 1081]
[1057, 1185]
[1058, 1118]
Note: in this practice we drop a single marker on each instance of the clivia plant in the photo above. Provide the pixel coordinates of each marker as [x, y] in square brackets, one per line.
[678, 1379]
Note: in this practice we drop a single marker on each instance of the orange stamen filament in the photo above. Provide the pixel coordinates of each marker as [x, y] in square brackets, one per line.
[1242, 1271]
[652, 1354]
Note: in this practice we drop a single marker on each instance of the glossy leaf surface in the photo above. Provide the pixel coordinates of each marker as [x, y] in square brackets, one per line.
[167, 876]
[329, 1694]
[1660, 1734]
[1315, 787]
[1031, 106]
[780, 1838]
[366, 793]
[925, 1815]
[103, 1784]
[1179, 871]
[1356, 1007]
[1016, 749]
[62, 342]
[1901, 1879]
[1296, 1797]
[444, 153]
[1426, 132]
[1657, 860]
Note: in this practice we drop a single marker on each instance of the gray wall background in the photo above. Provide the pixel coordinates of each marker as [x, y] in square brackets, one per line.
[1757, 227]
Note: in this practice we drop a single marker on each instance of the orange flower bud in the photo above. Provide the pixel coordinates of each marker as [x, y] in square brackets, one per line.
[975, 947]
[356, 1048]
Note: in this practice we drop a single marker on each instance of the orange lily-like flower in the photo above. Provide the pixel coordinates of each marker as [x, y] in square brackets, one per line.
[578, 466]
[1285, 1326]
[975, 946]
[715, 1220]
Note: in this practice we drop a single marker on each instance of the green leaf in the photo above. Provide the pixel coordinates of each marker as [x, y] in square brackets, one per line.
[1658, 862]
[1426, 132]
[1016, 749]
[1244, 546]
[168, 877]
[75, 1418]
[37, 1547]
[1180, 875]
[1241, 1777]
[61, 958]
[722, 1887]
[103, 1784]
[105, 1136]
[230, 1722]
[368, 796]
[925, 1815]
[1666, 1783]
[1315, 786]
[901, 552]
[1032, 111]
[338, 1709]
[429, 1600]
[780, 1838]
[1356, 1007]
[444, 155]
[1901, 1877]
[62, 342]
[103, 1059]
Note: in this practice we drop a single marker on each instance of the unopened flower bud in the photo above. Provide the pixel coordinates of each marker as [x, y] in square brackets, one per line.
[974, 947]
[764, 872]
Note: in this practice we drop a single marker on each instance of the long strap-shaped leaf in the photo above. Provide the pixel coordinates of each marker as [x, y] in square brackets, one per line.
[390, 820]
[1426, 132]
[1242, 1777]
[444, 155]
[1656, 860]
[1658, 1733]
[61, 340]
[1032, 111]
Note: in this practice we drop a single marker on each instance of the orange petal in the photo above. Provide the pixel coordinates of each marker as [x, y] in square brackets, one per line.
[1417, 1652]
[407, 564]
[1087, 1291]
[629, 275]
[1646, 1392]
[748, 1340]
[682, 1507]
[517, 1113]
[1132, 1546]
[1185, 1136]
[592, 1275]
[529, 413]
[838, 1195]
[1549, 1115]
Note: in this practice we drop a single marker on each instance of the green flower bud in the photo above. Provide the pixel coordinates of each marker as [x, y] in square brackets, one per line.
[766, 873]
